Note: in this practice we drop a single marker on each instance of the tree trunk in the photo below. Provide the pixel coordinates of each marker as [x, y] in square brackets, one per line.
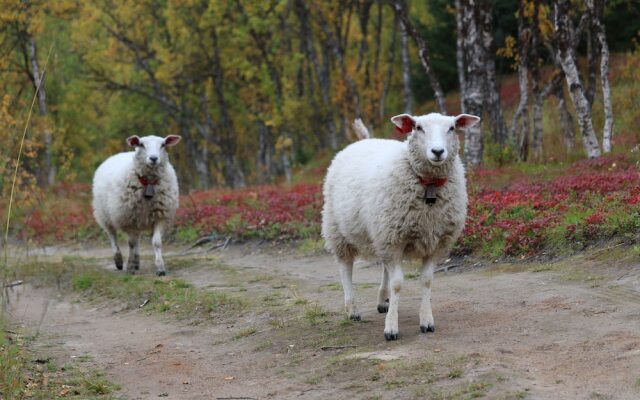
[378, 39]
[520, 125]
[391, 62]
[592, 61]
[364, 12]
[406, 70]
[460, 35]
[492, 91]
[264, 162]
[555, 87]
[322, 72]
[473, 101]
[232, 171]
[400, 8]
[568, 128]
[334, 43]
[535, 83]
[601, 35]
[48, 175]
[565, 37]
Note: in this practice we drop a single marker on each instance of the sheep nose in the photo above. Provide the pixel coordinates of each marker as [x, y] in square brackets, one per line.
[438, 152]
[153, 159]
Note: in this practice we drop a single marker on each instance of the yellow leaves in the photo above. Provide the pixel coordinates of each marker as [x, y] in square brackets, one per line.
[510, 48]
[545, 23]
[283, 143]
[171, 65]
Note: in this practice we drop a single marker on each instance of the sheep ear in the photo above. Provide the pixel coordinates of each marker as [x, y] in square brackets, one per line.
[404, 123]
[464, 121]
[133, 141]
[171, 140]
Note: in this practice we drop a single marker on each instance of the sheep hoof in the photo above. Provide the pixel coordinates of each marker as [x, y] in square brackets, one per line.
[354, 317]
[383, 308]
[118, 260]
[391, 335]
[161, 273]
[428, 328]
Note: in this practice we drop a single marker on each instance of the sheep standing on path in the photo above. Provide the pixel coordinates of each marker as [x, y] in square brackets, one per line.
[135, 191]
[391, 200]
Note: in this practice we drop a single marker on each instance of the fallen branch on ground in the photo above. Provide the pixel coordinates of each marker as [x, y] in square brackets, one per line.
[221, 246]
[12, 284]
[349, 346]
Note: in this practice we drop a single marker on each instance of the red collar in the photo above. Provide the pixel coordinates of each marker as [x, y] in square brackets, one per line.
[146, 181]
[437, 182]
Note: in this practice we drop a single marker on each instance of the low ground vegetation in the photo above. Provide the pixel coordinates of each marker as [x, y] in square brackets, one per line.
[24, 375]
[514, 211]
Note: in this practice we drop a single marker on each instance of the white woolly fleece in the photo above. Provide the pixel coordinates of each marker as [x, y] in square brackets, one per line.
[374, 202]
[118, 200]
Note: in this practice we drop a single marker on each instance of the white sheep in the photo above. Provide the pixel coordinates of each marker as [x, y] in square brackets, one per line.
[136, 191]
[391, 200]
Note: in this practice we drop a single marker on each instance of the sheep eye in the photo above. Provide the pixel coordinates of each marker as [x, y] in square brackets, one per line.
[162, 146]
[141, 145]
[452, 129]
[419, 128]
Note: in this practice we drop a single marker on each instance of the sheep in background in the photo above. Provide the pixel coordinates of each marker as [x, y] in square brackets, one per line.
[135, 191]
[391, 200]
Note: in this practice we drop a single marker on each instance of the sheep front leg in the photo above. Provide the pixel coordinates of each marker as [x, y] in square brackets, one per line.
[346, 273]
[156, 240]
[383, 292]
[113, 238]
[133, 263]
[426, 315]
[396, 278]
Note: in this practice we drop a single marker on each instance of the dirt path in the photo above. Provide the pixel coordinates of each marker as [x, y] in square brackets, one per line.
[568, 330]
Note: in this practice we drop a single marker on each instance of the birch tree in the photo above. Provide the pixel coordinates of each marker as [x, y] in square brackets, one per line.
[400, 8]
[520, 131]
[475, 79]
[536, 84]
[492, 91]
[596, 9]
[565, 36]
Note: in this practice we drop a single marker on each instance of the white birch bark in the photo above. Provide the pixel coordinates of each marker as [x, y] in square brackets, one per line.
[400, 8]
[474, 96]
[601, 36]
[566, 56]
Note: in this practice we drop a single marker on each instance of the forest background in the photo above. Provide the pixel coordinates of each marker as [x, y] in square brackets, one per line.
[264, 92]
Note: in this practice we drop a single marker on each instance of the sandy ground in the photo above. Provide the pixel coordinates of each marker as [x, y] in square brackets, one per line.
[567, 330]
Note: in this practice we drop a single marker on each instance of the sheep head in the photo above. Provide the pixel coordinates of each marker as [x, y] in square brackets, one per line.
[433, 142]
[151, 151]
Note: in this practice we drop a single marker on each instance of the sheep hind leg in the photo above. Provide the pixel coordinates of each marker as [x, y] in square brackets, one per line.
[383, 292]
[426, 315]
[157, 248]
[346, 273]
[113, 239]
[133, 263]
[396, 279]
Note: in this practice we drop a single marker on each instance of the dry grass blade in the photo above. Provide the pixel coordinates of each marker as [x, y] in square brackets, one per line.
[15, 172]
